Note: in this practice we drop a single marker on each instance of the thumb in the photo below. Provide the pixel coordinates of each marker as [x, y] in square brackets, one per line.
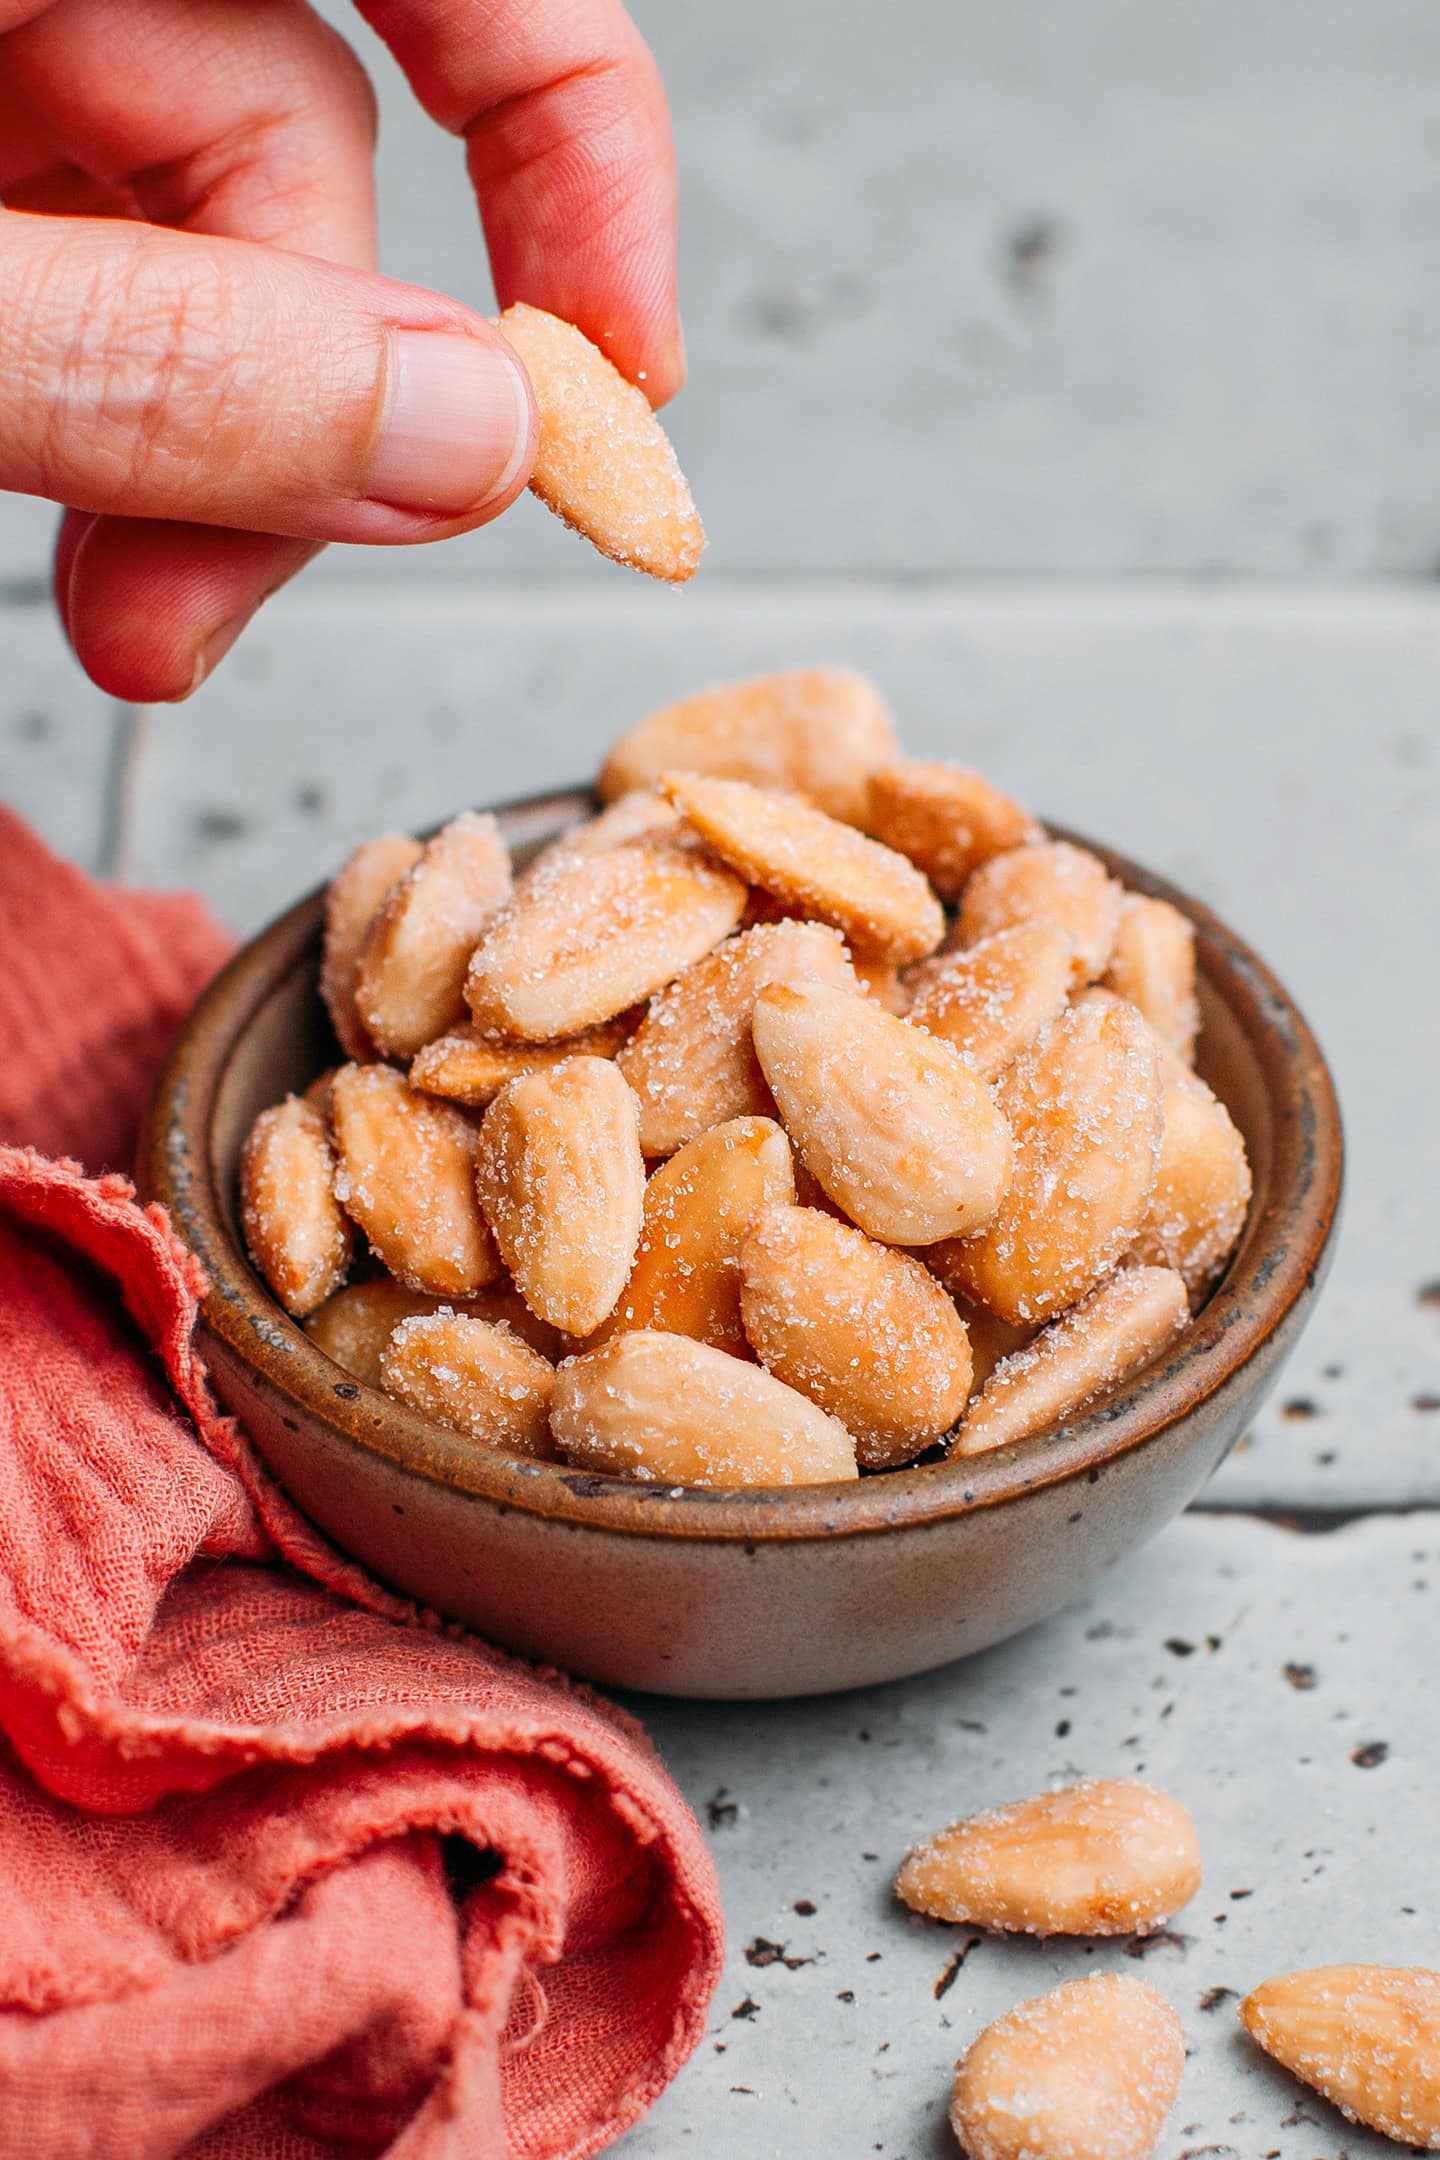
[171, 375]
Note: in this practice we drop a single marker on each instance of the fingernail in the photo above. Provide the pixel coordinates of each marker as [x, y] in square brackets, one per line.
[456, 429]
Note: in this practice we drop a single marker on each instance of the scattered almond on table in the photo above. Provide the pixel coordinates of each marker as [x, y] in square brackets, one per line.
[804, 1080]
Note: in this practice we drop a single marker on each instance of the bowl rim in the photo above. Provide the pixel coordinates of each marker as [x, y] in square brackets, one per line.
[1280, 1259]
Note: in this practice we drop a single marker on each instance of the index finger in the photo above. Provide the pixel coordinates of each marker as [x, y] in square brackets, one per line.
[567, 130]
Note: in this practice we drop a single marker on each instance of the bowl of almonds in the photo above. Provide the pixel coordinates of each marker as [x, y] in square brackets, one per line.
[777, 1220]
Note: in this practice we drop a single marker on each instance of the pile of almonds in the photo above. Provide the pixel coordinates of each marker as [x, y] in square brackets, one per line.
[805, 1108]
[1090, 2070]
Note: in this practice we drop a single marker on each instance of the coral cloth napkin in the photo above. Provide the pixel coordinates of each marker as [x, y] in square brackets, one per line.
[287, 1870]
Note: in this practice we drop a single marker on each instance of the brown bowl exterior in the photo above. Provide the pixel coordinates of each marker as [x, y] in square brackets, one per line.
[740, 1594]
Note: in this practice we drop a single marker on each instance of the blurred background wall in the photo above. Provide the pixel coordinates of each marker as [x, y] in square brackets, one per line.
[987, 288]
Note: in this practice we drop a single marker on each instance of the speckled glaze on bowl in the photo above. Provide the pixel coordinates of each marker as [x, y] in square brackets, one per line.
[740, 1593]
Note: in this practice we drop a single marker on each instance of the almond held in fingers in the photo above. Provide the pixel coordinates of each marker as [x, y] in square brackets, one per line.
[813, 862]
[354, 1325]
[991, 1002]
[887, 1119]
[605, 465]
[698, 1208]
[1153, 965]
[1104, 1340]
[665, 1409]
[1052, 882]
[593, 936]
[478, 1378]
[562, 1183]
[411, 978]
[1108, 1856]
[294, 1228]
[692, 1060]
[406, 1176]
[351, 905]
[817, 731]
[1084, 1106]
[1366, 2036]
[946, 821]
[1202, 1186]
[865, 1331]
[471, 1068]
[1087, 2072]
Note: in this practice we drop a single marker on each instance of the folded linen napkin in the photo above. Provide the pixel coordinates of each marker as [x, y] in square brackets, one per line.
[288, 1869]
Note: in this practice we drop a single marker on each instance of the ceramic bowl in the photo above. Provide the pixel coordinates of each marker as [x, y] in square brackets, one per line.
[756, 1593]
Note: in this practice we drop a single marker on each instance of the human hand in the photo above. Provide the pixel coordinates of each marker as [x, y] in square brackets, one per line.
[196, 353]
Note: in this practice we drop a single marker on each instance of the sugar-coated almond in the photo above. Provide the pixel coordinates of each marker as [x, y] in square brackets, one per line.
[320, 1091]
[883, 981]
[295, 1230]
[1088, 2071]
[1050, 882]
[406, 1176]
[1366, 2036]
[865, 1331]
[818, 731]
[692, 1060]
[1101, 1342]
[604, 464]
[596, 934]
[351, 905]
[562, 1183]
[990, 1002]
[1152, 964]
[629, 817]
[480, 1379]
[1084, 1106]
[698, 1207]
[672, 1411]
[879, 900]
[1202, 1186]
[947, 821]
[354, 1325]
[411, 978]
[471, 1068]
[1109, 1856]
[896, 1130]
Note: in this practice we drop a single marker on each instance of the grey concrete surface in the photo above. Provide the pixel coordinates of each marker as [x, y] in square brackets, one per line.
[1076, 289]
[1253, 1672]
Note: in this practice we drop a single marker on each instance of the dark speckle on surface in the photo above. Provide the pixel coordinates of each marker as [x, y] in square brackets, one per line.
[1371, 1755]
[1030, 249]
[1299, 1408]
[1429, 1294]
[747, 2009]
[1214, 1997]
[1301, 1676]
[347, 1390]
[310, 799]
[1178, 1647]
[212, 822]
[804, 1906]
[951, 1973]
[721, 1810]
[32, 725]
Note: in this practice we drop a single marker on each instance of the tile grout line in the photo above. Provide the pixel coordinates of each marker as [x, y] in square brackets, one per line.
[129, 734]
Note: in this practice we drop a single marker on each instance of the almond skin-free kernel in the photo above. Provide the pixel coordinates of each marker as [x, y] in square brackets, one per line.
[411, 978]
[865, 1331]
[1049, 882]
[817, 731]
[294, 1228]
[468, 1067]
[698, 1208]
[1152, 964]
[351, 905]
[1109, 1856]
[990, 1002]
[1087, 2072]
[480, 1379]
[595, 934]
[562, 1182]
[406, 1176]
[354, 1325]
[692, 1060]
[897, 1131]
[665, 1409]
[947, 821]
[1366, 2036]
[605, 465]
[1202, 1186]
[1101, 1342]
[1084, 1106]
[810, 861]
